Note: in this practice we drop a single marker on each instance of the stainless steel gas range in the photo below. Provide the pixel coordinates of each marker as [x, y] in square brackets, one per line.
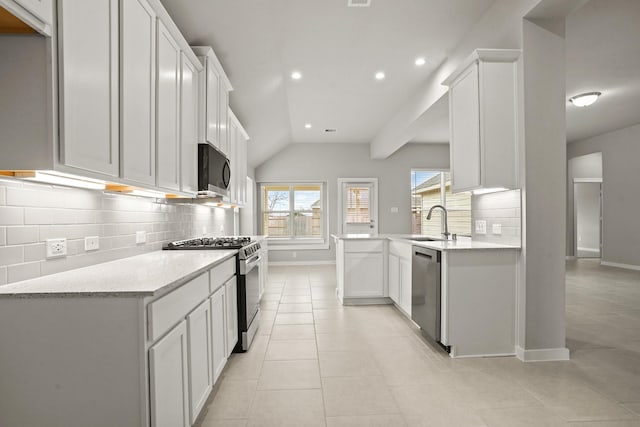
[248, 272]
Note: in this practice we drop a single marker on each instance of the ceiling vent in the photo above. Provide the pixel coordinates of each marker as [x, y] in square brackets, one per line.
[358, 3]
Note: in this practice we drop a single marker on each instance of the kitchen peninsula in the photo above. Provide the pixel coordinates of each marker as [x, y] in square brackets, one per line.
[478, 285]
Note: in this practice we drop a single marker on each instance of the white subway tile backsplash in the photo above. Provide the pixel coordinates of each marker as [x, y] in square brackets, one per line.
[69, 231]
[37, 252]
[16, 273]
[36, 212]
[498, 208]
[11, 255]
[11, 215]
[22, 235]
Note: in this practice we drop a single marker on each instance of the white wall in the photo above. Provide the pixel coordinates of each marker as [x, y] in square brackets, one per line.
[504, 208]
[328, 162]
[620, 195]
[31, 213]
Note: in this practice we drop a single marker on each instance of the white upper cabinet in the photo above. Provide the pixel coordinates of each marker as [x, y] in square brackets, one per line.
[483, 121]
[88, 72]
[238, 155]
[232, 134]
[215, 103]
[189, 125]
[138, 102]
[38, 14]
[168, 110]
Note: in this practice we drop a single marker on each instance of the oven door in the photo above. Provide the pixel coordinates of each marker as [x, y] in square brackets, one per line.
[251, 272]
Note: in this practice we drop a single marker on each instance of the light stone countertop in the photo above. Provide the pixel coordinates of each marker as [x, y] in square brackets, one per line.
[463, 243]
[145, 275]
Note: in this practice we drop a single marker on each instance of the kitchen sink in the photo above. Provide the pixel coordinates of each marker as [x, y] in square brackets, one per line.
[426, 239]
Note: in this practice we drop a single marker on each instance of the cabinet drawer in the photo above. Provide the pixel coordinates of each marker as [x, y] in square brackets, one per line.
[363, 245]
[403, 250]
[168, 310]
[221, 273]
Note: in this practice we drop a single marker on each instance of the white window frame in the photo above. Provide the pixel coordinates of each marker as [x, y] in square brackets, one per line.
[296, 243]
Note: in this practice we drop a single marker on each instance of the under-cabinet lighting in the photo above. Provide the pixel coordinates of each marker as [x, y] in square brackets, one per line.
[585, 99]
[59, 178]
[489, 190]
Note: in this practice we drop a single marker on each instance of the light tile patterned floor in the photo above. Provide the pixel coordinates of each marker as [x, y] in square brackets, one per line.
[316, 363]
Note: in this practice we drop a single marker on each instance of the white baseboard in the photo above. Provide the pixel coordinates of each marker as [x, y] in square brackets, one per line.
[542, 355]
[589, 250]
[615, 264]
[299, 263]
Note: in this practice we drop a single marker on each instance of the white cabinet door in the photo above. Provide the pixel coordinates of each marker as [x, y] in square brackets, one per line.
[218, 332]
[231, 295]
[223, 125]
[167, 109]
[363, 272]
[168, 379]
[138, 102]
[88, 66]
[200, 364]
[189, 127]
[464, 117]
[232, 135]
[405, 285]
[242, 177]
[212, 103]
[394, 278]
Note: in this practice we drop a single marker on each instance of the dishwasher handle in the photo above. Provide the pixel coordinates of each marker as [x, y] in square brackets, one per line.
[423, 255]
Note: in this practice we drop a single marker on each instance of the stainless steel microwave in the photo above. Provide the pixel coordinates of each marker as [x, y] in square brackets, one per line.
[214, 171]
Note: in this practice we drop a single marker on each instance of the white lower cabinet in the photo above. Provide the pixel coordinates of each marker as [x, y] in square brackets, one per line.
[394, 278]
[200, 366]
[364, 275]
[231, 293]
[168, 379]
[218, 332]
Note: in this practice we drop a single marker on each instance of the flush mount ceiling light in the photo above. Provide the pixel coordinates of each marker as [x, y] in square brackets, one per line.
[380, 75]
[307, 126]
[585, 99]
[296, 75]
[420, 61]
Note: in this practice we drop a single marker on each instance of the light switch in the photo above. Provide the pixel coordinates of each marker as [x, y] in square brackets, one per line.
[91, 243]
[481, 226]
[497, 228]
[394, 209]
[141, 237]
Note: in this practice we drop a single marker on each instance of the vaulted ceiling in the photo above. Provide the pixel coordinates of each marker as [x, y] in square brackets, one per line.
[338, 50]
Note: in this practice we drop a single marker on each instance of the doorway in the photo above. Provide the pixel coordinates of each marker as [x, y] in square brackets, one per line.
[358, 205]
[588, 218]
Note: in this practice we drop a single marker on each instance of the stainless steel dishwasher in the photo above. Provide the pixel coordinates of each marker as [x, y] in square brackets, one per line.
[425, 287]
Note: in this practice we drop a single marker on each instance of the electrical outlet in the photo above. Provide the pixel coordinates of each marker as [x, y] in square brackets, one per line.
[56, 248]
[295, 254]
[481, 226]
[394, 209]
[497, 228]
[91, 243]
[141, 237]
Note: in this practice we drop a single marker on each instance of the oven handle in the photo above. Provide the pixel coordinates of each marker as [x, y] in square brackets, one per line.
[252, 262]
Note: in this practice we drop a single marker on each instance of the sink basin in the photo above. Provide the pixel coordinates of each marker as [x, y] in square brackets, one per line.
[426, 239]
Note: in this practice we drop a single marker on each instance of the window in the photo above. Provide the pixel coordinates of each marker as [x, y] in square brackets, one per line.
[358, 205]
[293, 213]
[430, 188]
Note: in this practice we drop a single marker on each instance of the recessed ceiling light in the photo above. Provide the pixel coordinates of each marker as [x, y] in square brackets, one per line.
[307, 126]
[296, 75]
[420, 61]
[380, 75]
[585, 99]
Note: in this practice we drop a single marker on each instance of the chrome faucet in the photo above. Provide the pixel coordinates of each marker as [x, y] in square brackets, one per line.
[446, 233]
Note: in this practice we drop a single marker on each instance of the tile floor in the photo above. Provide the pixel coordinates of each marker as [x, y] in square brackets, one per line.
[316, 363]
